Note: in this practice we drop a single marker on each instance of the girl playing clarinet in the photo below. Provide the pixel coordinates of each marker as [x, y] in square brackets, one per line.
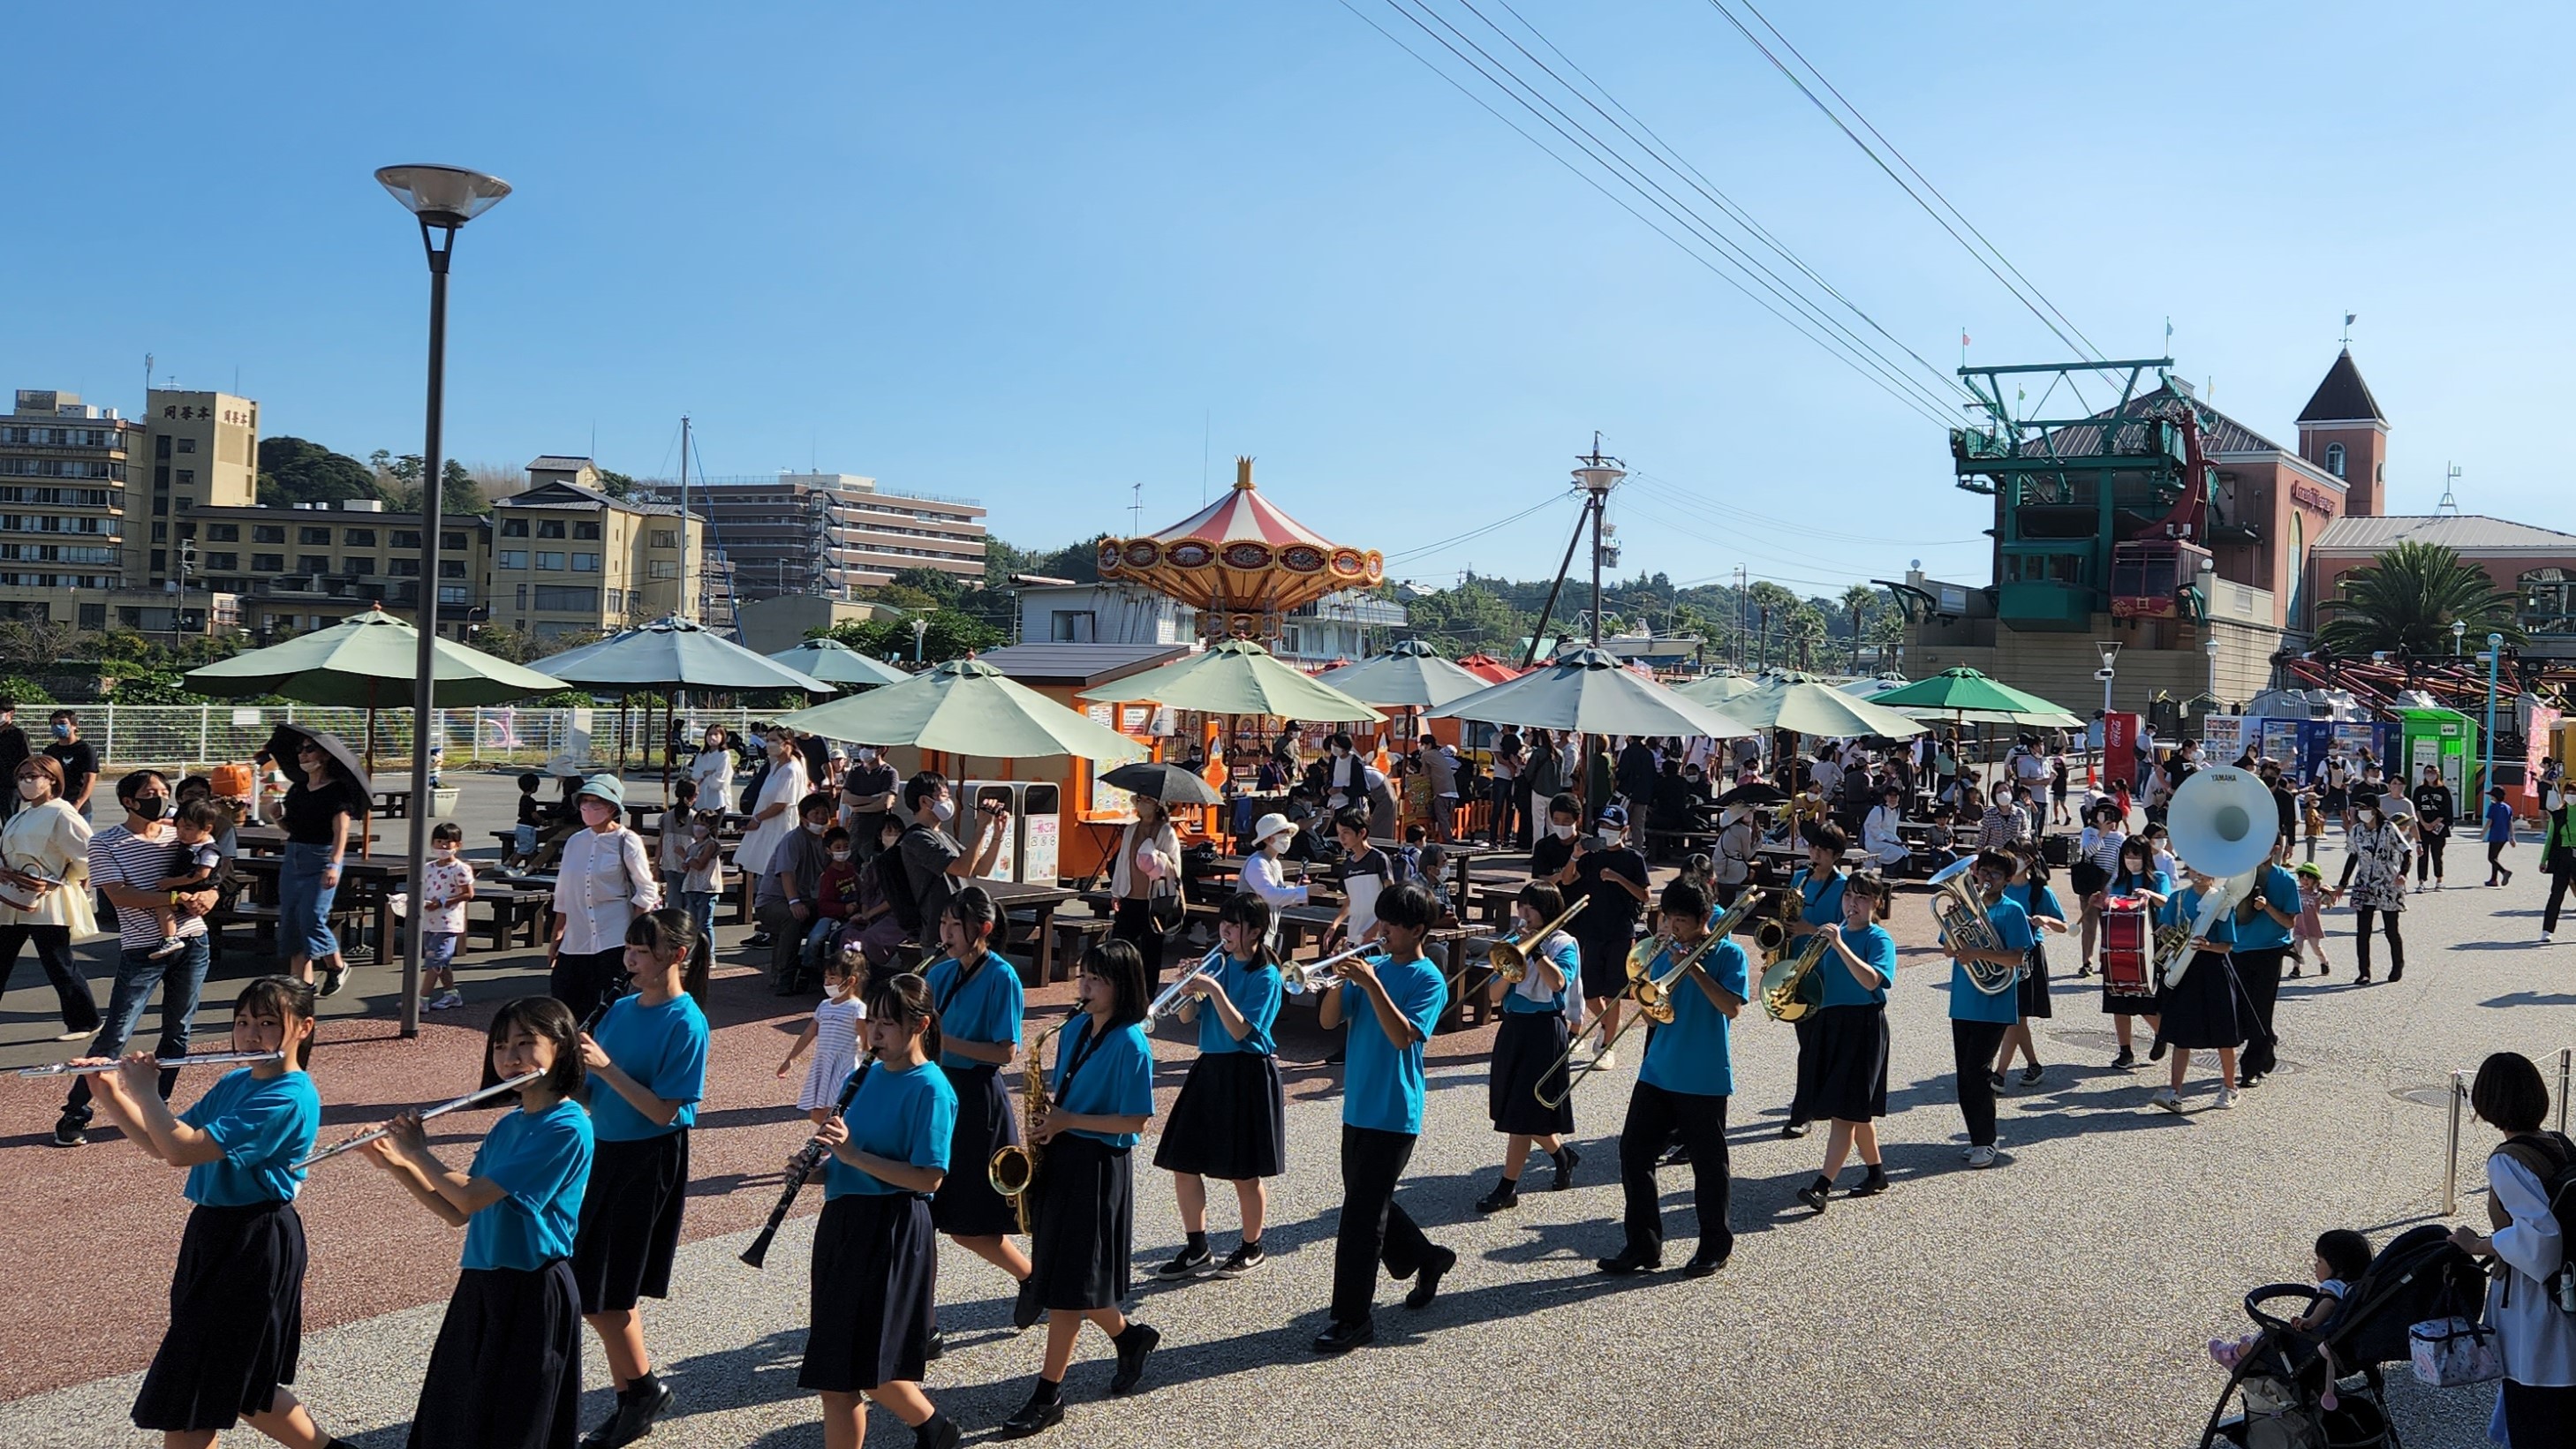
[506, 1370]
[647, 1062]
[237, 1297]
[1231, 1120]
[1084, 1222]
[978, 1000]
[876, 1257]
[1529, 1050]
[1851, 1037]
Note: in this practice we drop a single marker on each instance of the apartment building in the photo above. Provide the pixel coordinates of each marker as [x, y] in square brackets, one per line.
[63, 474]
[827, 533]
[308, 566]
[568, 558]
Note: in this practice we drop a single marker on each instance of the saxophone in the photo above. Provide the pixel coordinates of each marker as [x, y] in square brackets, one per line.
[1014, 1168]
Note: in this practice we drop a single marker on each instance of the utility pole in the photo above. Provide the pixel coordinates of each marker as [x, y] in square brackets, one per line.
[681, 605]
[1598, 475]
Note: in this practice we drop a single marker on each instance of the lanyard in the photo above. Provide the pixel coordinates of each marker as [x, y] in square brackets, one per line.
[1082, 1053]
[965, 978]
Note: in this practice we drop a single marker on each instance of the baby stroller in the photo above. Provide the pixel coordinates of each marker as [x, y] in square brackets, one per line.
[2286, 1375]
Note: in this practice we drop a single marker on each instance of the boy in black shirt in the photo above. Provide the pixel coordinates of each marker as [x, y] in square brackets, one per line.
[1556, 842]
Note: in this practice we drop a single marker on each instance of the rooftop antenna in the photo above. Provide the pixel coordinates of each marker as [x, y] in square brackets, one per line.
[2450, 503]
[147, 384]
[1136, 509]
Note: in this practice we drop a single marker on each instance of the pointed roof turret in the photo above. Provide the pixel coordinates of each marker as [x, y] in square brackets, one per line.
[2343, 397]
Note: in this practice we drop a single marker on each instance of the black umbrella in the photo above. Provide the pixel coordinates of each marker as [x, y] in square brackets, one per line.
[1753, 792]
[1171, 784]
[330, 744]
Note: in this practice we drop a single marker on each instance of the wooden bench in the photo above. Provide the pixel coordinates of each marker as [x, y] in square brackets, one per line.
[1664, 844]
[1075, 935]
[516, 911]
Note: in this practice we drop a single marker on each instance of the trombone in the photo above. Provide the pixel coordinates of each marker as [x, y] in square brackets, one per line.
[1653, 995]
[1510, 956]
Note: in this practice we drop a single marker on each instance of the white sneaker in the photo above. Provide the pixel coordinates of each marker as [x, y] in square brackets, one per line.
[1606, 1062]
[2167, 1098]
[2226, 1099]
[1981, 1157]
[2544, 940]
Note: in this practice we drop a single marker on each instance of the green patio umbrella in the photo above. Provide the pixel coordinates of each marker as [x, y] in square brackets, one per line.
[1589, 691]
[361, 659]
[672, 653]
[1969, 696]
[1807, 708]
[1412, 675]
[1717, 688]
[834, 662]
[1236, 676]
[965, 707]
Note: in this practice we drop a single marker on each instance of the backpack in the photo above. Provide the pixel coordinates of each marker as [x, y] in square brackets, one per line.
[1404, 863]
[2551, 1158]
[896, 882]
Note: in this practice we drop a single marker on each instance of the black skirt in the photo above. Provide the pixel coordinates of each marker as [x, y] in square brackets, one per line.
[236, 1319]
[1230, 1121]
[1810, 1072]
[506, 1370]
[987, 1118]
[875, 1286]
[1851, 1063]
[2034, 983]
[2200, 1009]
[630, 1221]
[1084, 1230]
[1529, 1055]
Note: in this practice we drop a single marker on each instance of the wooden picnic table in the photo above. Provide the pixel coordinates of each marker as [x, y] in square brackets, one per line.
[1041, 902]
[370, 882]
[390, 802]
[270, 840]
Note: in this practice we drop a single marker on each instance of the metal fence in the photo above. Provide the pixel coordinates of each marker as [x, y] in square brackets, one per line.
[193, 735]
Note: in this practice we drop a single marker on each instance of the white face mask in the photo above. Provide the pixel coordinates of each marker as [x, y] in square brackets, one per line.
[942, 811]
[445, 852]
[31, 789]
[840, 855]
[817, 827]
[1560, 831]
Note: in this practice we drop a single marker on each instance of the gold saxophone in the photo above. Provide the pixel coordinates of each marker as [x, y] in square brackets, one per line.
[1014, 1168]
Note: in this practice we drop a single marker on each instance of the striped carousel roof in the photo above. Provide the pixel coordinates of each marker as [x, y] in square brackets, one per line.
[1240, 561]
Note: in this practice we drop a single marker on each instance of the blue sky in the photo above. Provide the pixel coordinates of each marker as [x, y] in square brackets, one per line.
[1038, 254]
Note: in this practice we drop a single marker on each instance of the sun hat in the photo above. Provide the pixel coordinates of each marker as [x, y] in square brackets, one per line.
[1269, 825]
[604, 787]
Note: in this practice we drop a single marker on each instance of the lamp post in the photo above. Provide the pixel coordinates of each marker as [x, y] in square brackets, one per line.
[2209, 646]
[2459, 627]
[2495, 652]
[441, 198]
[920, 631]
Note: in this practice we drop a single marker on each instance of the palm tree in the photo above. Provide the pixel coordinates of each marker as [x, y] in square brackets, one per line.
[1858, 600]
[1804, 631]
[2406, 599]
[1768, 600]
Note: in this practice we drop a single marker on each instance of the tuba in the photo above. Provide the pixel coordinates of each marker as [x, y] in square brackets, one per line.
[1510, 956]
[1014, 1168]
[1963, 921]
[2223, 825]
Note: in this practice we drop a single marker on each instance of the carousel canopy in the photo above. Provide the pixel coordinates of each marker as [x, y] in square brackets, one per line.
[1240, 562]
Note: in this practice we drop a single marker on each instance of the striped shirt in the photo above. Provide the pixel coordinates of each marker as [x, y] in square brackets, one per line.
[118, 856]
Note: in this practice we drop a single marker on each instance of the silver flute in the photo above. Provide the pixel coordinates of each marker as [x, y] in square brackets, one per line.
[202, 1059]
[374, 1133]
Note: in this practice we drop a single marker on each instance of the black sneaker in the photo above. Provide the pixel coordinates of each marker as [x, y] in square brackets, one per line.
[332, 979]
[71, 1132]
[1793, 1129]
[1343, 1337]
[938, 1345]
[2158, 1053]
[1997, 1078]
[756, 939]
[1191, 1263]
[2128, 1057]
[1566, 1160]
[2031, 1074]
[1242, 1260]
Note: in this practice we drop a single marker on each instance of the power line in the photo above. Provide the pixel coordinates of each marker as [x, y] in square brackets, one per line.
[1471, 535]
[1683, 497]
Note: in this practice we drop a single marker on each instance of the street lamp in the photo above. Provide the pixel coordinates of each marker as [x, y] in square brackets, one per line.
[2495, 653]
[2459, 627]
[442, 198]
[2209, 646]
[920, 631]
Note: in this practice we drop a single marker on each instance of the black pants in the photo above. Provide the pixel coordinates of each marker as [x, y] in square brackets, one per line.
[1655, 1118]
[2428, 861]
[2539, 1418]
[583, 982]
[1528, 805]
[1375, 1227]
[54, 953]
[2361, 939]
[1972, 1054]
[2259, 973]
[2495, 860]
[1507, 799]
[2558, 882]
[786, 945]
[1134, 924]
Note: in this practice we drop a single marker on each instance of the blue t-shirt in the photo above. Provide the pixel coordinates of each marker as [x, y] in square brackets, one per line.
[1116, 1078]
[1824, 901]
[1255, 992]
[2499, 822]
[261, 1126]
[1382, 1079]
[2012, 933]
[1871, 944]
[983, 1007]
[1562, 953]
[541, 1162]
[2182, 908]
[2130, 883]
[1693, 1052]
[664, 1048]
[905, 1116]
[2262, 933]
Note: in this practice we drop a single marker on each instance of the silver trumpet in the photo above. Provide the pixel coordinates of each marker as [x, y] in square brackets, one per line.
[202, 1059]
[1173, 998]
[349, 1144]
[1308, 977]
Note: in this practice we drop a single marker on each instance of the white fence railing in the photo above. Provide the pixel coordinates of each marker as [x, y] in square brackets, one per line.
[190, 735]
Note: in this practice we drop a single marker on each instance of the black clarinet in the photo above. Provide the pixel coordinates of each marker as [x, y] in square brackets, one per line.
[807, 1161]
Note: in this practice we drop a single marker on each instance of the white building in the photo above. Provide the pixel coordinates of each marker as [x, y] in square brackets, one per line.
[1338, 626]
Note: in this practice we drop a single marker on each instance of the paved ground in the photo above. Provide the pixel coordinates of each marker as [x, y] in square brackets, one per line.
[2060, 1299]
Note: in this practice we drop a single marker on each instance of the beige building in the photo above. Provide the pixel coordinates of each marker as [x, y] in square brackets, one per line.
[308, 566]
[567, 558]
[64, 467]
[205, 454]
[770, 626]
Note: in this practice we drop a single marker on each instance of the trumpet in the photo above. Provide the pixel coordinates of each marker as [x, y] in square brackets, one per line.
[203, 1059]
[347, 1144]
[1308, 977]
[1510, 956]
[1174, 997]
[1014, 1168]
[1653, 995]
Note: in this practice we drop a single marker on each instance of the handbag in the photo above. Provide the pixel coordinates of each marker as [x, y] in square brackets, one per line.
[2452, 1353]
[1165, 909]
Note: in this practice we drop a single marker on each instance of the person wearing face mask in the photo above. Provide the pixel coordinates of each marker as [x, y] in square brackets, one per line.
[1146, 870]
[1555, 839]
[935, 863]
[867, 799]
[2374, 873]
[44, 895]
[712, 769]
[1612, 878]
[78, 759]
[788, 892]
[773, 811]
[446, 885]
[602, 883]
[1262, 872]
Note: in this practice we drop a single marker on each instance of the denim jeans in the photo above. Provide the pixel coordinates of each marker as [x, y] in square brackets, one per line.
[181, 977]
[304, 904]
[701, 906]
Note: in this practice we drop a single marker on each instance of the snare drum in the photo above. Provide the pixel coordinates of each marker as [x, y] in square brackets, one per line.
[2128, 947]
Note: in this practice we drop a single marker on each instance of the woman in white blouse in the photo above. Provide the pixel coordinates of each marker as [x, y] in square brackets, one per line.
[44, 895]
[2537, 1408]
[1148, 865]
[773, 814]
[602, 883]
[1263, 872]
[712, 768]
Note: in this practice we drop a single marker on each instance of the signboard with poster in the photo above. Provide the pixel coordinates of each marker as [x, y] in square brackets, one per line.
[2120, 745]
[1107, 804]
[2281, 742]
[2537, 736]
[2222, 738]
